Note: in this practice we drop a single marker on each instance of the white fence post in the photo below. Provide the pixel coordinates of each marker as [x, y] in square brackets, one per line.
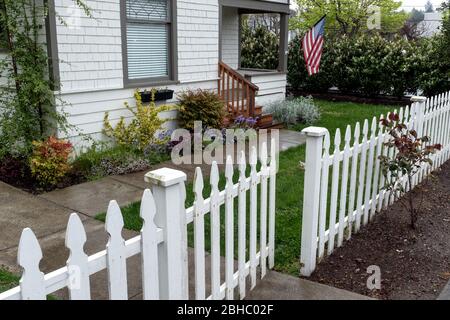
[313, 164]
[418, 121]
[169, 193]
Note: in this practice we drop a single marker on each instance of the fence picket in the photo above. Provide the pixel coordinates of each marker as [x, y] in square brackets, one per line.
[199, 236]
[376, 190]
[384, 153]
[344, 185]
[324, 194]
[229, 229]
[253, 216]
[115, 251]
[334, 192]
[77, 264]
[263, 208]
[369, 176]
[215, 231]
[362, 171]
[272, 199]
[29, 255]
[149, 247]
[354, 170]
[242, 225]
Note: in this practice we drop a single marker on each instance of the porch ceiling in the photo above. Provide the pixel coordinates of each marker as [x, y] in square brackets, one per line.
[258, 6]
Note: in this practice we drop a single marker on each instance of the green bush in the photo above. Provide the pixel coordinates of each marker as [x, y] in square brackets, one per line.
[200, 105]
[370, 65]
[298, 110]
[259, 48]
[297, 75]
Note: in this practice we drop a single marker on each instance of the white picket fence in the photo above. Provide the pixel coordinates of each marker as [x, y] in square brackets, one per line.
[163, 243]
[332, 212]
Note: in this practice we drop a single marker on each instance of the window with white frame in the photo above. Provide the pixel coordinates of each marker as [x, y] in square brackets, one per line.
[148, 33]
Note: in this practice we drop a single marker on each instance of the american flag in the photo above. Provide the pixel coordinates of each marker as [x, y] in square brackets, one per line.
[312, 46]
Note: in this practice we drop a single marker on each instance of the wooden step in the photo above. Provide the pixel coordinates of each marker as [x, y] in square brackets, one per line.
[264, 120]
[273, 125]
[258, 111]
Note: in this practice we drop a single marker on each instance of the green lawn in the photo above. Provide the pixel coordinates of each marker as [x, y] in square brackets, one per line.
[289, 184]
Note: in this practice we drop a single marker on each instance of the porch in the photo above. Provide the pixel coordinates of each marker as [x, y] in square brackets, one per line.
[246, 91]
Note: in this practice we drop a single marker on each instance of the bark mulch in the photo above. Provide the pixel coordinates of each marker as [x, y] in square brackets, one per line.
[415, 264]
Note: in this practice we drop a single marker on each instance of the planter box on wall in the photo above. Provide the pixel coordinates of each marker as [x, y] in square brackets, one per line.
[160, 95]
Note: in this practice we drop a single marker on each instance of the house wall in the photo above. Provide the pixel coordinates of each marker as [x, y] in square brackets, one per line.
[91, 70]
[272, 87]
[230, 36]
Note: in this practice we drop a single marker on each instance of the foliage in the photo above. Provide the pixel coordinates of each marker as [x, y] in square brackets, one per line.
[411, 153]
[242, 122]
[200, 105]
[259, 47]
[348, 17]
[143, 129]
[297, 110]
[8, 280]
[298, 76]
[371, 65]
[49, 162]
[27, 101]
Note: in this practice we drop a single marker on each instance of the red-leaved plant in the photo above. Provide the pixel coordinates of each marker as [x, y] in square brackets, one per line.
[399, 170]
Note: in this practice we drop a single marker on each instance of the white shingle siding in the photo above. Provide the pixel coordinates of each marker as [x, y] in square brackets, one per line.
[230, 37]
[90, 49]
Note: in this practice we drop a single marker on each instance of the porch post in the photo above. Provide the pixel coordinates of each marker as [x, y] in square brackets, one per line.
[284, 40]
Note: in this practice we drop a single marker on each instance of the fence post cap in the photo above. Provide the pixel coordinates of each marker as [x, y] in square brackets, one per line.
[418, 99]
[165, 177]
[314, 131]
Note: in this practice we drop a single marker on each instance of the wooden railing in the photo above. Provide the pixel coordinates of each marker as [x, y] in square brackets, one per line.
[238, 93]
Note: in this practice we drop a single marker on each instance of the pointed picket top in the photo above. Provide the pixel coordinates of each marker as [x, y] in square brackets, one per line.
[337, 140]
[326, 143]
[148, 210]
[77, 264]
[214, 177]
[401, 113]
[253, 158]
[263, 157]
[356, 133]
[229, 171]
[373, 127]
[348, 135]
[114, 220]
[406, 115]
[365, 128]
[76, 234]
[29, 256]
[149, 247]
[242, 166]
[380, 124]
[198, 184]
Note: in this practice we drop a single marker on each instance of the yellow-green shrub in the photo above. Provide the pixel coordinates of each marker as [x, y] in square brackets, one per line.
[50, 161]
[142, 130]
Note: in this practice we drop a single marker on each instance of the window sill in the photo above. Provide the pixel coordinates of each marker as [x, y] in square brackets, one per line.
[150, 83]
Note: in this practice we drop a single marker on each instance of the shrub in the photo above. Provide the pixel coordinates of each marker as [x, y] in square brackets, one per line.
[400, 168]
[143, 129]
[297, 75]
[49, 162]
[370, 65]
[259, 48]
[200, 105]
[297, 110]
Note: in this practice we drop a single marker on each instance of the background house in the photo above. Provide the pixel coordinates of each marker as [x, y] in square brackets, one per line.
[431, 23]
[145, 44]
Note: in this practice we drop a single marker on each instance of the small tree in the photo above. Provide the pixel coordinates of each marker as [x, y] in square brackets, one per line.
[399, 170]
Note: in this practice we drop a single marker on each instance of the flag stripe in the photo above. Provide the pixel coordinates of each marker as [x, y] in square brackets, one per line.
[312, 44]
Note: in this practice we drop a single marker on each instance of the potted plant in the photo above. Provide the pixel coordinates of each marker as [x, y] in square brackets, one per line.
[159, 95]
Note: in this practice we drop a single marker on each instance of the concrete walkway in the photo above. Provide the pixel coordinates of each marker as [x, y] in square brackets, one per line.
[47, 215]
